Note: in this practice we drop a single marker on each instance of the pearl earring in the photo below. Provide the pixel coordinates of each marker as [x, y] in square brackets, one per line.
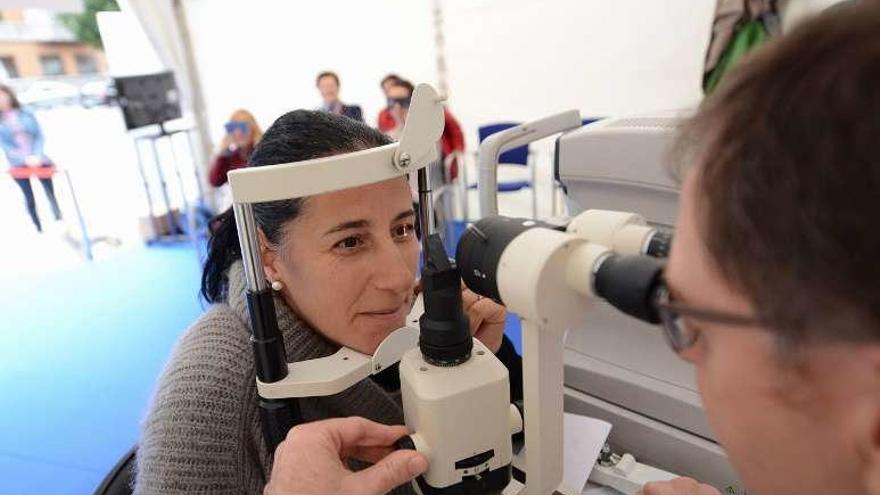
[277, 285]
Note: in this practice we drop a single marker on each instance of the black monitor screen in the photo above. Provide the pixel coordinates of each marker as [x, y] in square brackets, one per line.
[148, 99]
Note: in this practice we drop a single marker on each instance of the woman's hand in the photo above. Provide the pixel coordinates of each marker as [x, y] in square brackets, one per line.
[486, 318]
[33, 160]
[311, 460]
[678, 486]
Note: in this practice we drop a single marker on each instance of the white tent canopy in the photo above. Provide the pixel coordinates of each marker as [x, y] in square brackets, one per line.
[507, 59]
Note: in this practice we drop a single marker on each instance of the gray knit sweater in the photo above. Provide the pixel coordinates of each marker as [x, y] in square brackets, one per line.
[202, 433]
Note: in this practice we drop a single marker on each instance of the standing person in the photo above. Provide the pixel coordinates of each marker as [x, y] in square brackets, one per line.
[388, 81]
[328, 84]
[399, 97]
[386, 120]
[242, 136]
[22, 140]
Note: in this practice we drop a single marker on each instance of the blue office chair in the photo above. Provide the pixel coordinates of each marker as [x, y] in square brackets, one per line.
[518, 157]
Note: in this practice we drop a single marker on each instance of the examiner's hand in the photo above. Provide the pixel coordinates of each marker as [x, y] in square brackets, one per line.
[678, 486]
[311, 459]
[486, 317]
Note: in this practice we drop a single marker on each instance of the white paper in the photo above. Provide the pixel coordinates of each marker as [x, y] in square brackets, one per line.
[584, 438]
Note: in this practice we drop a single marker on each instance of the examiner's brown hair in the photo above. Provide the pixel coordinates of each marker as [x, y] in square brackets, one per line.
[788, 173]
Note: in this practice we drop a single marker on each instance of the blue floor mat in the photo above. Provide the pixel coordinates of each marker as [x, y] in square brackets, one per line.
[83, 349]
[82, 352]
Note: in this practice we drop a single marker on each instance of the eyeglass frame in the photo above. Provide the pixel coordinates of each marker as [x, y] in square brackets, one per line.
[680, 339]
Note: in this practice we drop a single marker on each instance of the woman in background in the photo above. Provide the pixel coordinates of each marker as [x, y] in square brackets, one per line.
[242, 135]
[393, 119]
[22, 140]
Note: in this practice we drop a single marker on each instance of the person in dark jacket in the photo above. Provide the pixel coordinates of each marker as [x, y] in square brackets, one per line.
[22, 141]
[328, 84]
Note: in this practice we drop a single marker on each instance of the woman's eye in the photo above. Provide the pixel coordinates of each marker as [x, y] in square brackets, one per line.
[351, 242]
[403, 231]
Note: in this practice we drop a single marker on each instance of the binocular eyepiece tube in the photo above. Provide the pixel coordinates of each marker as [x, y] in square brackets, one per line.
[629, 282]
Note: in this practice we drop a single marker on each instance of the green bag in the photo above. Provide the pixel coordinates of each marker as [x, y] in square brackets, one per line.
[751, 34]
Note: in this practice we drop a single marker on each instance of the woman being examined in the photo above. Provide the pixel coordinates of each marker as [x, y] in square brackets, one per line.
[344, 266]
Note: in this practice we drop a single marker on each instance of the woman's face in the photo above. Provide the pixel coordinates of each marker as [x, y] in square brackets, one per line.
[399, 93]
[349, 261]
[242, 135]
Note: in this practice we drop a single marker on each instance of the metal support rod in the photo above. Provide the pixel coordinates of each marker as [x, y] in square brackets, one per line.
[194, 156]
[86, 241]
[173, 225]
[190, 212]
[426, 209]
[153, 220]
[277, 416]
[250, 247]
[169, 136]
[463, 178]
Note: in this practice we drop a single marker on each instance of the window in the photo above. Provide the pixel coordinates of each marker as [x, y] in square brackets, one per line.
[9, 66]
[85, 64]
[52, 65]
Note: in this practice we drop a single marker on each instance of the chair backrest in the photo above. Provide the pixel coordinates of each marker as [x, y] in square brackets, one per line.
[516, 156]
[120, 479]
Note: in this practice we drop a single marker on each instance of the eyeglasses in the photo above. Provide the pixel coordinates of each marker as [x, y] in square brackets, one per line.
[235, 125]
[679, 335]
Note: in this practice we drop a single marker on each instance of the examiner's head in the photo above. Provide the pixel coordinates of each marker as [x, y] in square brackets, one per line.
[775, 263]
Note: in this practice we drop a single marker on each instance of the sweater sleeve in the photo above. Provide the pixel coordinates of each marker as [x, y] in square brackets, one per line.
[219, 169]
[453, 137]
[194, 439]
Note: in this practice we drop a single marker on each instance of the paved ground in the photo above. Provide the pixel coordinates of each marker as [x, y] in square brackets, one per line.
[99, 154]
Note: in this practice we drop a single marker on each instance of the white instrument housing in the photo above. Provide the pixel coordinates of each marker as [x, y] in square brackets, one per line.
[453, 412]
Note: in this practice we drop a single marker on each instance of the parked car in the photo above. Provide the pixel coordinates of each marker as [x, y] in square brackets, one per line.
[97, 92]
[47, 94]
